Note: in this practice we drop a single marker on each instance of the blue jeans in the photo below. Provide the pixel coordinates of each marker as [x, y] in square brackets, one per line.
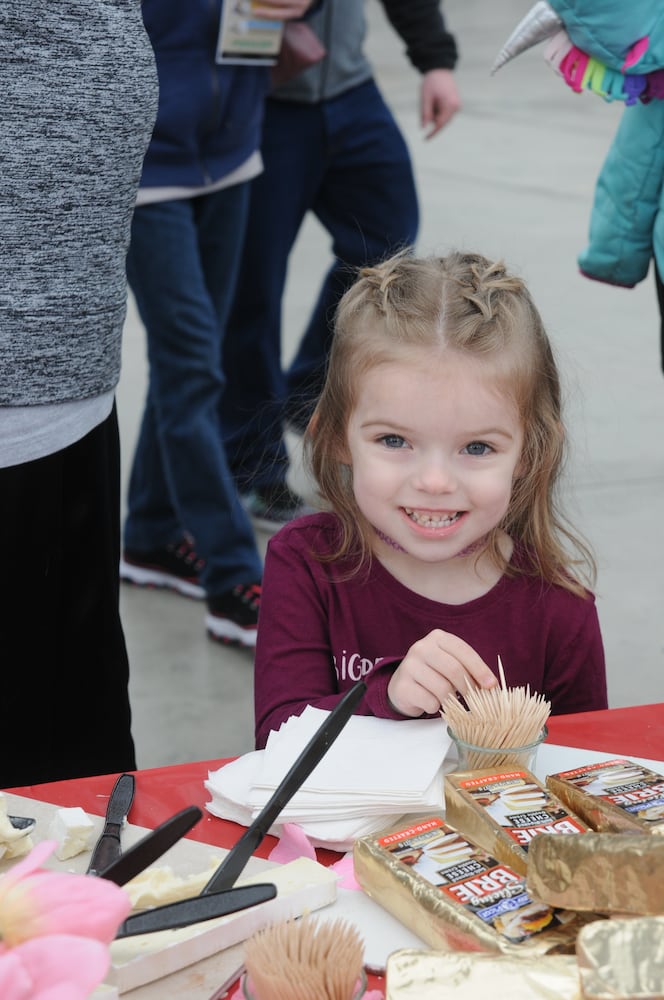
[182, 267]
[345, 160]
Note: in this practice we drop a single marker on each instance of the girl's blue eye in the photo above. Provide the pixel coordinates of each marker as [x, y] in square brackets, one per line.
[392, 441]
[477, 448]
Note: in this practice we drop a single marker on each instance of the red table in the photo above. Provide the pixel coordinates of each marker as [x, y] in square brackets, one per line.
[161, 791]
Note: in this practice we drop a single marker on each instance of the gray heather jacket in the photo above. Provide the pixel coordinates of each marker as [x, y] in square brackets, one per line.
[78, 98]
[341, 26]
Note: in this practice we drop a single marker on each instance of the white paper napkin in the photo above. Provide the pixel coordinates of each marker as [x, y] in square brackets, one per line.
[375, 771]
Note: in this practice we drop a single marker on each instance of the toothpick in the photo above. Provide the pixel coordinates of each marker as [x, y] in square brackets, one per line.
[503, 682]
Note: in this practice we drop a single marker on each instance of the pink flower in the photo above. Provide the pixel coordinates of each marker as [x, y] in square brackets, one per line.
[55, 929]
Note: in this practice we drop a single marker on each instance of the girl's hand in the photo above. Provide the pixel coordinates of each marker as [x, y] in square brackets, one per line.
[433, 668]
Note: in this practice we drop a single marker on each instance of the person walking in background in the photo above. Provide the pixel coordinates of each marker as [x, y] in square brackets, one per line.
[330, 145]
[79, 96]
[186, 242]
[437, 444]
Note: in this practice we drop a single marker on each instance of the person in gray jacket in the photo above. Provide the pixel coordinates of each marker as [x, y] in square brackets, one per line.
[330, 145]
[79, 93]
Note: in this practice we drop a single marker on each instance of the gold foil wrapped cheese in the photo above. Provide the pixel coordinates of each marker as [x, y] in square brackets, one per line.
[456, 896]
[622, 959]
[503, 810]
[604, 872]
[613, 796]
[432, 975]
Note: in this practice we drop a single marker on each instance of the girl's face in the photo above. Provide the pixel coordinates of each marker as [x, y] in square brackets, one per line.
[434, 449]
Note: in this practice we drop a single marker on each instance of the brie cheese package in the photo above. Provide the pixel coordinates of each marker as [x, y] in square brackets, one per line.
[455, 895]
[503, 810]
[622, 959]
[601, 872]
[435, 975]
[613, 796]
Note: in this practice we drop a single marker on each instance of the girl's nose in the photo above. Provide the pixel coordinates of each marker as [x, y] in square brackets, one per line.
[435, 475]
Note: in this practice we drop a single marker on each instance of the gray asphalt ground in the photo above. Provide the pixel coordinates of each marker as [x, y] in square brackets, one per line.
[512, 176]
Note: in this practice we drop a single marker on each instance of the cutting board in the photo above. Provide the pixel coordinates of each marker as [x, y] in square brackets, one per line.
[189, 962]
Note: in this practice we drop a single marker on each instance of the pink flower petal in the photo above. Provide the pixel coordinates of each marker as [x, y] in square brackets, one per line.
[60, 967]
[293, 844]
[27, 865]
[62, 903]
[344, 867]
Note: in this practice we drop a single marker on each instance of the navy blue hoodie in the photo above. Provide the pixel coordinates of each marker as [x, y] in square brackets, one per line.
[210, 116]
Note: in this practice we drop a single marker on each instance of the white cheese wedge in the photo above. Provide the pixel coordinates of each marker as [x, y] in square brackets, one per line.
[158, 886]
[302, 886]
[13, 842]
[72, 829]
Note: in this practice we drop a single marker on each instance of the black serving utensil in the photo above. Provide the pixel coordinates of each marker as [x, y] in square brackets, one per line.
[107, 848]
[197, 909]
[137, 858]
[25, 824]
[234, 862]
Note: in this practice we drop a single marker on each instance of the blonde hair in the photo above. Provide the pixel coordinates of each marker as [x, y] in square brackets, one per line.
[473, 306]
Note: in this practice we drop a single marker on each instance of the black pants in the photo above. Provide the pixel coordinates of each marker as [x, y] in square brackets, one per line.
[64, 702]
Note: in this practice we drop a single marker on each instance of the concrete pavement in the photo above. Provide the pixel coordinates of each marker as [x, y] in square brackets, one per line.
[512, 176]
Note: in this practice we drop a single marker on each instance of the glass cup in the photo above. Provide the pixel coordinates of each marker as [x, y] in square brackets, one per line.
[360, 987]
[471, 757]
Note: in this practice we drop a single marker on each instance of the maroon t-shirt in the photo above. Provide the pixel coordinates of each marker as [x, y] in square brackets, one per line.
[319, 631]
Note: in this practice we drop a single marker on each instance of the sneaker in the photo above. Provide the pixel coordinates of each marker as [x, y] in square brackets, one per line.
[176, 567]
[233, 616]
[270, 507]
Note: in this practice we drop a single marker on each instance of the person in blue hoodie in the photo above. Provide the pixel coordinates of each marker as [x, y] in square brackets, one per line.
[186, 528]
[331, 146]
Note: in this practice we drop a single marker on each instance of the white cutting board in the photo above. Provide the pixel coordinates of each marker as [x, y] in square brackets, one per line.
[193, 981]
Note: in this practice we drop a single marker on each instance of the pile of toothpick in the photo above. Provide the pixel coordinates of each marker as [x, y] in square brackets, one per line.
[497, 718]
[303, 959]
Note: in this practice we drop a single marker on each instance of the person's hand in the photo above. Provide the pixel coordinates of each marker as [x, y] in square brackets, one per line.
[281, 10]
[434, 667]
[440, 100]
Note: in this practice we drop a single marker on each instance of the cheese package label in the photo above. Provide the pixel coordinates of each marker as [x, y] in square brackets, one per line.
[613, 796]
[504, 810]
[454, 894]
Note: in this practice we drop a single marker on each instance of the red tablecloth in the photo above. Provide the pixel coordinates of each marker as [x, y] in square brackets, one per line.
[637, 731]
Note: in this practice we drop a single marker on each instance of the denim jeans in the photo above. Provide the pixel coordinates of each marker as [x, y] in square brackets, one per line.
[182, 267]
[344, 159]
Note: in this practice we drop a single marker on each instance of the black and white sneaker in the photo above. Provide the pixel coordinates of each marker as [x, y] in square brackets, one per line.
[233, 616]
[175, 567]
[271, 507]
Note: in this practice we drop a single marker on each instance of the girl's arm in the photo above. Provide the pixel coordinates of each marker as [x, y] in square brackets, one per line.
[294, 666]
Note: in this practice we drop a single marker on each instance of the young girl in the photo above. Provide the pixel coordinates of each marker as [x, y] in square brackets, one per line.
[437, 444]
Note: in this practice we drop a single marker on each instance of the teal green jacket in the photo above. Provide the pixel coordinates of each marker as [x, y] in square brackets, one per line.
[627, 220]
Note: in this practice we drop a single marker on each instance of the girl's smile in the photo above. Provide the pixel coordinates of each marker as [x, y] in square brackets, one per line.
[433, 520]
[434, 448]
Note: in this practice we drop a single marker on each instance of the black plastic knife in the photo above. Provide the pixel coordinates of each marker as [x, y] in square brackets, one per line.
[232, 865]
[197, 909]
[107, 848]
[137, 858]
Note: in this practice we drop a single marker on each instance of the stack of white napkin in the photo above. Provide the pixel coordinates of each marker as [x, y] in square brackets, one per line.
[375, 771]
